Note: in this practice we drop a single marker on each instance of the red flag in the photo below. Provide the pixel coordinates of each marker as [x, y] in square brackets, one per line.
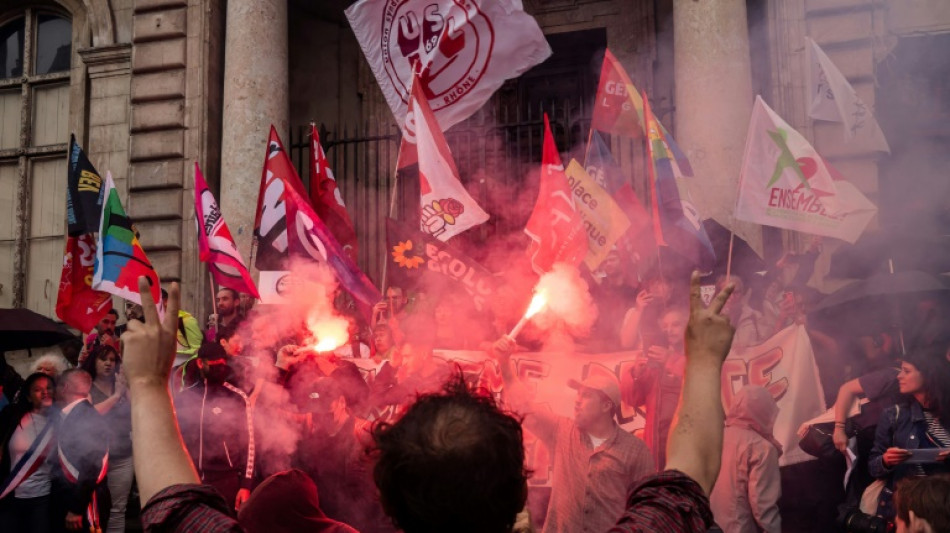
[555, 227]
[326, 198]
[77, 303]
[639, 237]
[215, 245]
[270, 224]
[619, 107]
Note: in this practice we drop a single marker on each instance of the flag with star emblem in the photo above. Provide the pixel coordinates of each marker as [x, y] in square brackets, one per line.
[785, 183]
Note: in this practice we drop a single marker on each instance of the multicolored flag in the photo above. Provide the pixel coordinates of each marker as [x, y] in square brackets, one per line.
[835, 100]
[215, 245]
[120, 259]
[555, 227]
[604, 220]
[326, 198]
[785, 183]
[83, 193]
[462, 51]
[288, 225]
[77, 304]
[447, 208]
[676, 222]
[618, 109]
[416, 258]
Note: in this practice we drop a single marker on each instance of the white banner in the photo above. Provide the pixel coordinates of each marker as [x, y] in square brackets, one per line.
[785, 366]
[835, 100]
[785, 183]
[462, 50]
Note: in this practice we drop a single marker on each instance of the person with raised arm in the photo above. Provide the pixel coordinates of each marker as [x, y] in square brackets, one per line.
[677, 499]
[171, 494]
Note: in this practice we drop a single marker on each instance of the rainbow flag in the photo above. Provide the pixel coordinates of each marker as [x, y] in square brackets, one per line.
[120, 259]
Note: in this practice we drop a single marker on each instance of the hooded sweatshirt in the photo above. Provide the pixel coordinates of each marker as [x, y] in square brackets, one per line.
[746, 494]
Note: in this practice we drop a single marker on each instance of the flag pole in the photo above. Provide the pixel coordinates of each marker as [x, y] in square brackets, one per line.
[214, 305]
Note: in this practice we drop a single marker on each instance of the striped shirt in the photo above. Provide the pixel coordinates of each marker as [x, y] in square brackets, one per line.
[668, 501]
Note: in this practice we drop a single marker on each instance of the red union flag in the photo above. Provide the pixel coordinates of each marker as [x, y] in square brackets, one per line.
[215, 245]
[326, 198]
[618, 108]
[462, 50]
[555, 227]
[77, 303]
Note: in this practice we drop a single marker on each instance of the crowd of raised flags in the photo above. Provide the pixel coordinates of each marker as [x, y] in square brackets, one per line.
[582, 211]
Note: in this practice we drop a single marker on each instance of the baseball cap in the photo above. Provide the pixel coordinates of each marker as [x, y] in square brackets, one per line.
[599, 382]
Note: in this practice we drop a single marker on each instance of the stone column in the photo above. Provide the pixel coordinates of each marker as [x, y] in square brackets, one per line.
[713, 78]
[255, 96]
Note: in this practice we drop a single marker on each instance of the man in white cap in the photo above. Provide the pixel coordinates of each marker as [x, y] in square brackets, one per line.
[595, 461]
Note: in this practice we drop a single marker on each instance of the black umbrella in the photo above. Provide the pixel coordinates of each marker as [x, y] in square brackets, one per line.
[908, 282]
[22, 328]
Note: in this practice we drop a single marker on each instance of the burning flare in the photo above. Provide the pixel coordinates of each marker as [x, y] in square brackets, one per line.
[328, 344]
[538, 301]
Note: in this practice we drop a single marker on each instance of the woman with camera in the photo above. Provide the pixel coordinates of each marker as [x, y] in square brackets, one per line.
[912, 437]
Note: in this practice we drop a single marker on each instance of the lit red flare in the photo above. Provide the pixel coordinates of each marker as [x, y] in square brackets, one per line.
[538, 301]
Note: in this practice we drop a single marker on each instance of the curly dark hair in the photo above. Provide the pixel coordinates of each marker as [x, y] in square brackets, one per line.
[100, 352]
[453, 462]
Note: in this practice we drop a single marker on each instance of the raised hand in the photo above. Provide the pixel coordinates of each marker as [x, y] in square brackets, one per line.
[150, 346]
[708, 332]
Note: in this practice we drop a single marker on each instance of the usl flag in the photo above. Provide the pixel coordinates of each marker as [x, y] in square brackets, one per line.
[786, 184]
[417, 258]
[462, 51]
[676, 222]
[326, 198]
[447, 208]
[270, 223]
[120, 259]
[604, 220]
[835, 100]
[77, 304]
[555, 227]
[288, 225]
[215, 245]
[83, 193]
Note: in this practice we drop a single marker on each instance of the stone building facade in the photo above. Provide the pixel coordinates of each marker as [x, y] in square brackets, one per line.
[150, 86]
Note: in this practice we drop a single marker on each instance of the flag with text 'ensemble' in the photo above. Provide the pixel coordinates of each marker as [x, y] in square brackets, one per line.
[120, 259]
[416, 258]
[619, 109]
[77, 303]
[270, 222]
[83, 192]
[604, 221]
[326, 198]
[835, 100]
[215, 245]
[676, 222]
[555, 227]
[463, 50]
[785, 183]
[287, 225]
[447, 208]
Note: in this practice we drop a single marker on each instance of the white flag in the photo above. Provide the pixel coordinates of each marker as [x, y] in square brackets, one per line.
[447, 208]
[835, 100]
[785, 183]
[462, 51]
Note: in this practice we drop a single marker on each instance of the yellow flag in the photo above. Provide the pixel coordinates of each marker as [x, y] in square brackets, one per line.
[604, 221]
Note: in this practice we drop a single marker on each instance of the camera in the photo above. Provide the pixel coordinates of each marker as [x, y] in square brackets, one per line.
[854, 521]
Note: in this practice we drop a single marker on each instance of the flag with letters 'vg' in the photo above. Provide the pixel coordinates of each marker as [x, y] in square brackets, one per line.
[785, 183]
[215, 245]
[120, 259]
[556, 228]
[462, 50]
[416, 258]
[83, 192]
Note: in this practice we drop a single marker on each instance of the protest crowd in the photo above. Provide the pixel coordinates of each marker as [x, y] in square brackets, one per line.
[619, 373]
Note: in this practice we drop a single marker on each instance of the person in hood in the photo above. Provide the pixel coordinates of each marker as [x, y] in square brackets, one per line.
[287, 502]
[746, 494]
